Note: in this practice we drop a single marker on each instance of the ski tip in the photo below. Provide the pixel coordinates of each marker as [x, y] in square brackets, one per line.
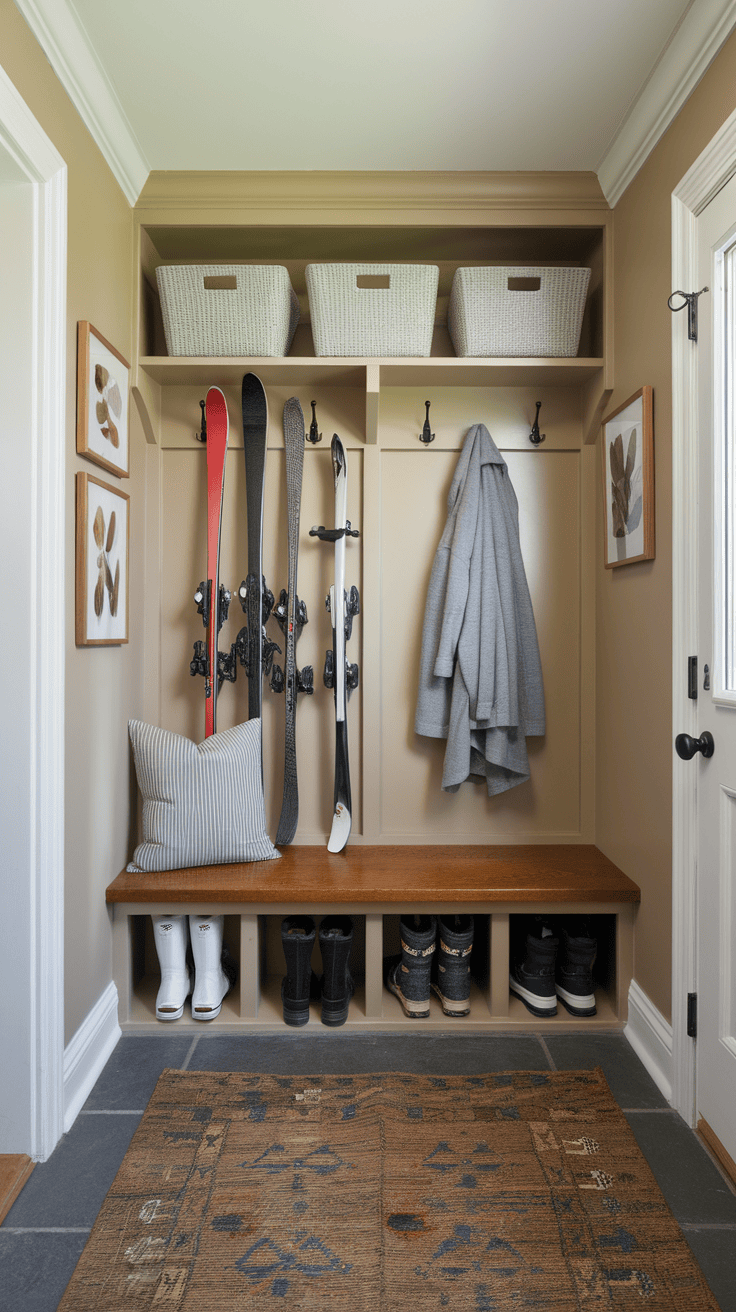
[216, 405]
[252, 383]
[293, 409]
[338, 454]
[341, 825]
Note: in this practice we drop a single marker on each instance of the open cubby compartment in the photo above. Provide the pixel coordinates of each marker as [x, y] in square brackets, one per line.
[145, 975]
[272, 968]
[603, 928]
[480, 976]
[297, 246]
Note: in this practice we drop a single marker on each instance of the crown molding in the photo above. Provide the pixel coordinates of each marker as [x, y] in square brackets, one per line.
[694, 45]
[420, 192]
[67, 47]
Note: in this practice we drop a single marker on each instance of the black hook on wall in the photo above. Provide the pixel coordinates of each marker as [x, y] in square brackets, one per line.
[689, 299]
[314, 434]
[426, 436]
[535, 436]
[201, 436]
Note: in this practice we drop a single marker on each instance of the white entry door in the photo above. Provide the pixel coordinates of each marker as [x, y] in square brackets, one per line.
[716, 575]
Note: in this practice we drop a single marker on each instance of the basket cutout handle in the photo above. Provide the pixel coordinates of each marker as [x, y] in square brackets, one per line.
[373, 279]
[525, 284]
[220, 282]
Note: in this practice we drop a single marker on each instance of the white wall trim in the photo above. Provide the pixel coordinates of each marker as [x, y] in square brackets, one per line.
[23, 137]
[711, 170]
[67, 47]
[707, 24]
[86, 1054]
[651, 1038]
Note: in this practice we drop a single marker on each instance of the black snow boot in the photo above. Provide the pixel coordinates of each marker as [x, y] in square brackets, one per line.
[335, 942]
[574, 974]
[297, 940]
[452, 981]
[409, 979]
[532, 975]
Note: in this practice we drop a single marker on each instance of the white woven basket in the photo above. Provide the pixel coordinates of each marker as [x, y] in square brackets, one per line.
[372, 309]
[517, 311]
[255, 313]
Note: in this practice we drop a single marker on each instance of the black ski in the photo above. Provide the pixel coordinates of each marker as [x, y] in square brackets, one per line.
[339, 674]
[254, 649]
[291, 614]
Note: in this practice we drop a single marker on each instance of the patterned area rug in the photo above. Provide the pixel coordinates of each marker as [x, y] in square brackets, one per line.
[384, 1192]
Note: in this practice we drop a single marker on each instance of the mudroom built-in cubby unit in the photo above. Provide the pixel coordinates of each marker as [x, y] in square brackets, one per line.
[376, 886]
[397, 500]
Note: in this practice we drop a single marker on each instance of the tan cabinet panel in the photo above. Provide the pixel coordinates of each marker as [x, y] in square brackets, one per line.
[507, 412]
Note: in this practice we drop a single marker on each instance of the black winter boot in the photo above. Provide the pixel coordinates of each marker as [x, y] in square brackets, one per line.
[532, 975]
[574, 974]
[452, 981]
[335, 942]
[297, 940]
[409, 979]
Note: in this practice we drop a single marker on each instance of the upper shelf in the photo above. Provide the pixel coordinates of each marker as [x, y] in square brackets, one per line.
[372, 373]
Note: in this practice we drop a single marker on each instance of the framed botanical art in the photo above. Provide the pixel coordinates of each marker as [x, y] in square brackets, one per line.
[103, 524]
[102, 401]
[628, 481]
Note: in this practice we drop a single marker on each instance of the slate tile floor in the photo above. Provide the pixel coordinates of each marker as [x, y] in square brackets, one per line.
[47, 1227]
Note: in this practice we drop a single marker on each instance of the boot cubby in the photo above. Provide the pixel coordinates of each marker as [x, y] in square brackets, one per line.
[145, 973]
[603, 929]
[272, 970]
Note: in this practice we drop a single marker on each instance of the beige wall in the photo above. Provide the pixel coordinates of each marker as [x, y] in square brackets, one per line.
[634, 610]
[102, 685]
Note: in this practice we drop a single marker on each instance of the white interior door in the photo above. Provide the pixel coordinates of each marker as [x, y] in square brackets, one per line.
[716, 575]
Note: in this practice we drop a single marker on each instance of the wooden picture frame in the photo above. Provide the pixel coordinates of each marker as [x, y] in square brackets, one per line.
[628, 481]
[103, 398]
[102, 551]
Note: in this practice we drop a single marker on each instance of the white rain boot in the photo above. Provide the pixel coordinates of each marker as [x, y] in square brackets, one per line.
[210, 981]
[170, 934]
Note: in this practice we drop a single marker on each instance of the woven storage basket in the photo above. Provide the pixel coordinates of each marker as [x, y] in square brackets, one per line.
[488, 315]
[257, 315]
[351, 315]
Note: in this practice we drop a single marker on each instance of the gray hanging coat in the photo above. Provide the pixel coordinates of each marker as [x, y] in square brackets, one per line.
[480, 682]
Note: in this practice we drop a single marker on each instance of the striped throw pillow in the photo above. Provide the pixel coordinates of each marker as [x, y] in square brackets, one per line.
[202, 803]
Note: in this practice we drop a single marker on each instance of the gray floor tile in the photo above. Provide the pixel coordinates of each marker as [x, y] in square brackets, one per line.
[630, 1084]
[693, 1187]
[129, 1078]
[335, 1053]
[69, 1188]
[715, 1253]
[35, 1269]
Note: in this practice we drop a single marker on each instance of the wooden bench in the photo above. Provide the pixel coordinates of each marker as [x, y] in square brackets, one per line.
[375, 885]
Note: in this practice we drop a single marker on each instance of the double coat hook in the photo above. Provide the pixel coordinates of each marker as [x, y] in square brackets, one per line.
[426, 436]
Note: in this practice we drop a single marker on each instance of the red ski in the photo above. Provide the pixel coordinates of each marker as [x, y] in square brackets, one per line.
[212, 599]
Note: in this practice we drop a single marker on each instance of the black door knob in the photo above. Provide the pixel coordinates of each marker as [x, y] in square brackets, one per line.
[686, 747]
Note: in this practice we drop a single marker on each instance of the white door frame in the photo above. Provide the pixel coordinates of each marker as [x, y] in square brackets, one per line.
[713, 168]
[43, 640]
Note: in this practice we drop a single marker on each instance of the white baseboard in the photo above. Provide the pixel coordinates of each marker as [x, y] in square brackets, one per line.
[86, 1054]
[651, 1038]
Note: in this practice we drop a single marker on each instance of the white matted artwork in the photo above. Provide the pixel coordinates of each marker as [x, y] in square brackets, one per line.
[102, 401]
[101, 611]
[628, 481]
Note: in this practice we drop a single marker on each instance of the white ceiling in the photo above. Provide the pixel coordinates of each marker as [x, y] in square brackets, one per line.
[375, 84]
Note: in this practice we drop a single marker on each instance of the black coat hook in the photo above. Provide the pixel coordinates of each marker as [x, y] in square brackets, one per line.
[426, 436]
[314, 434]
[201, 436]
[535, 436]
